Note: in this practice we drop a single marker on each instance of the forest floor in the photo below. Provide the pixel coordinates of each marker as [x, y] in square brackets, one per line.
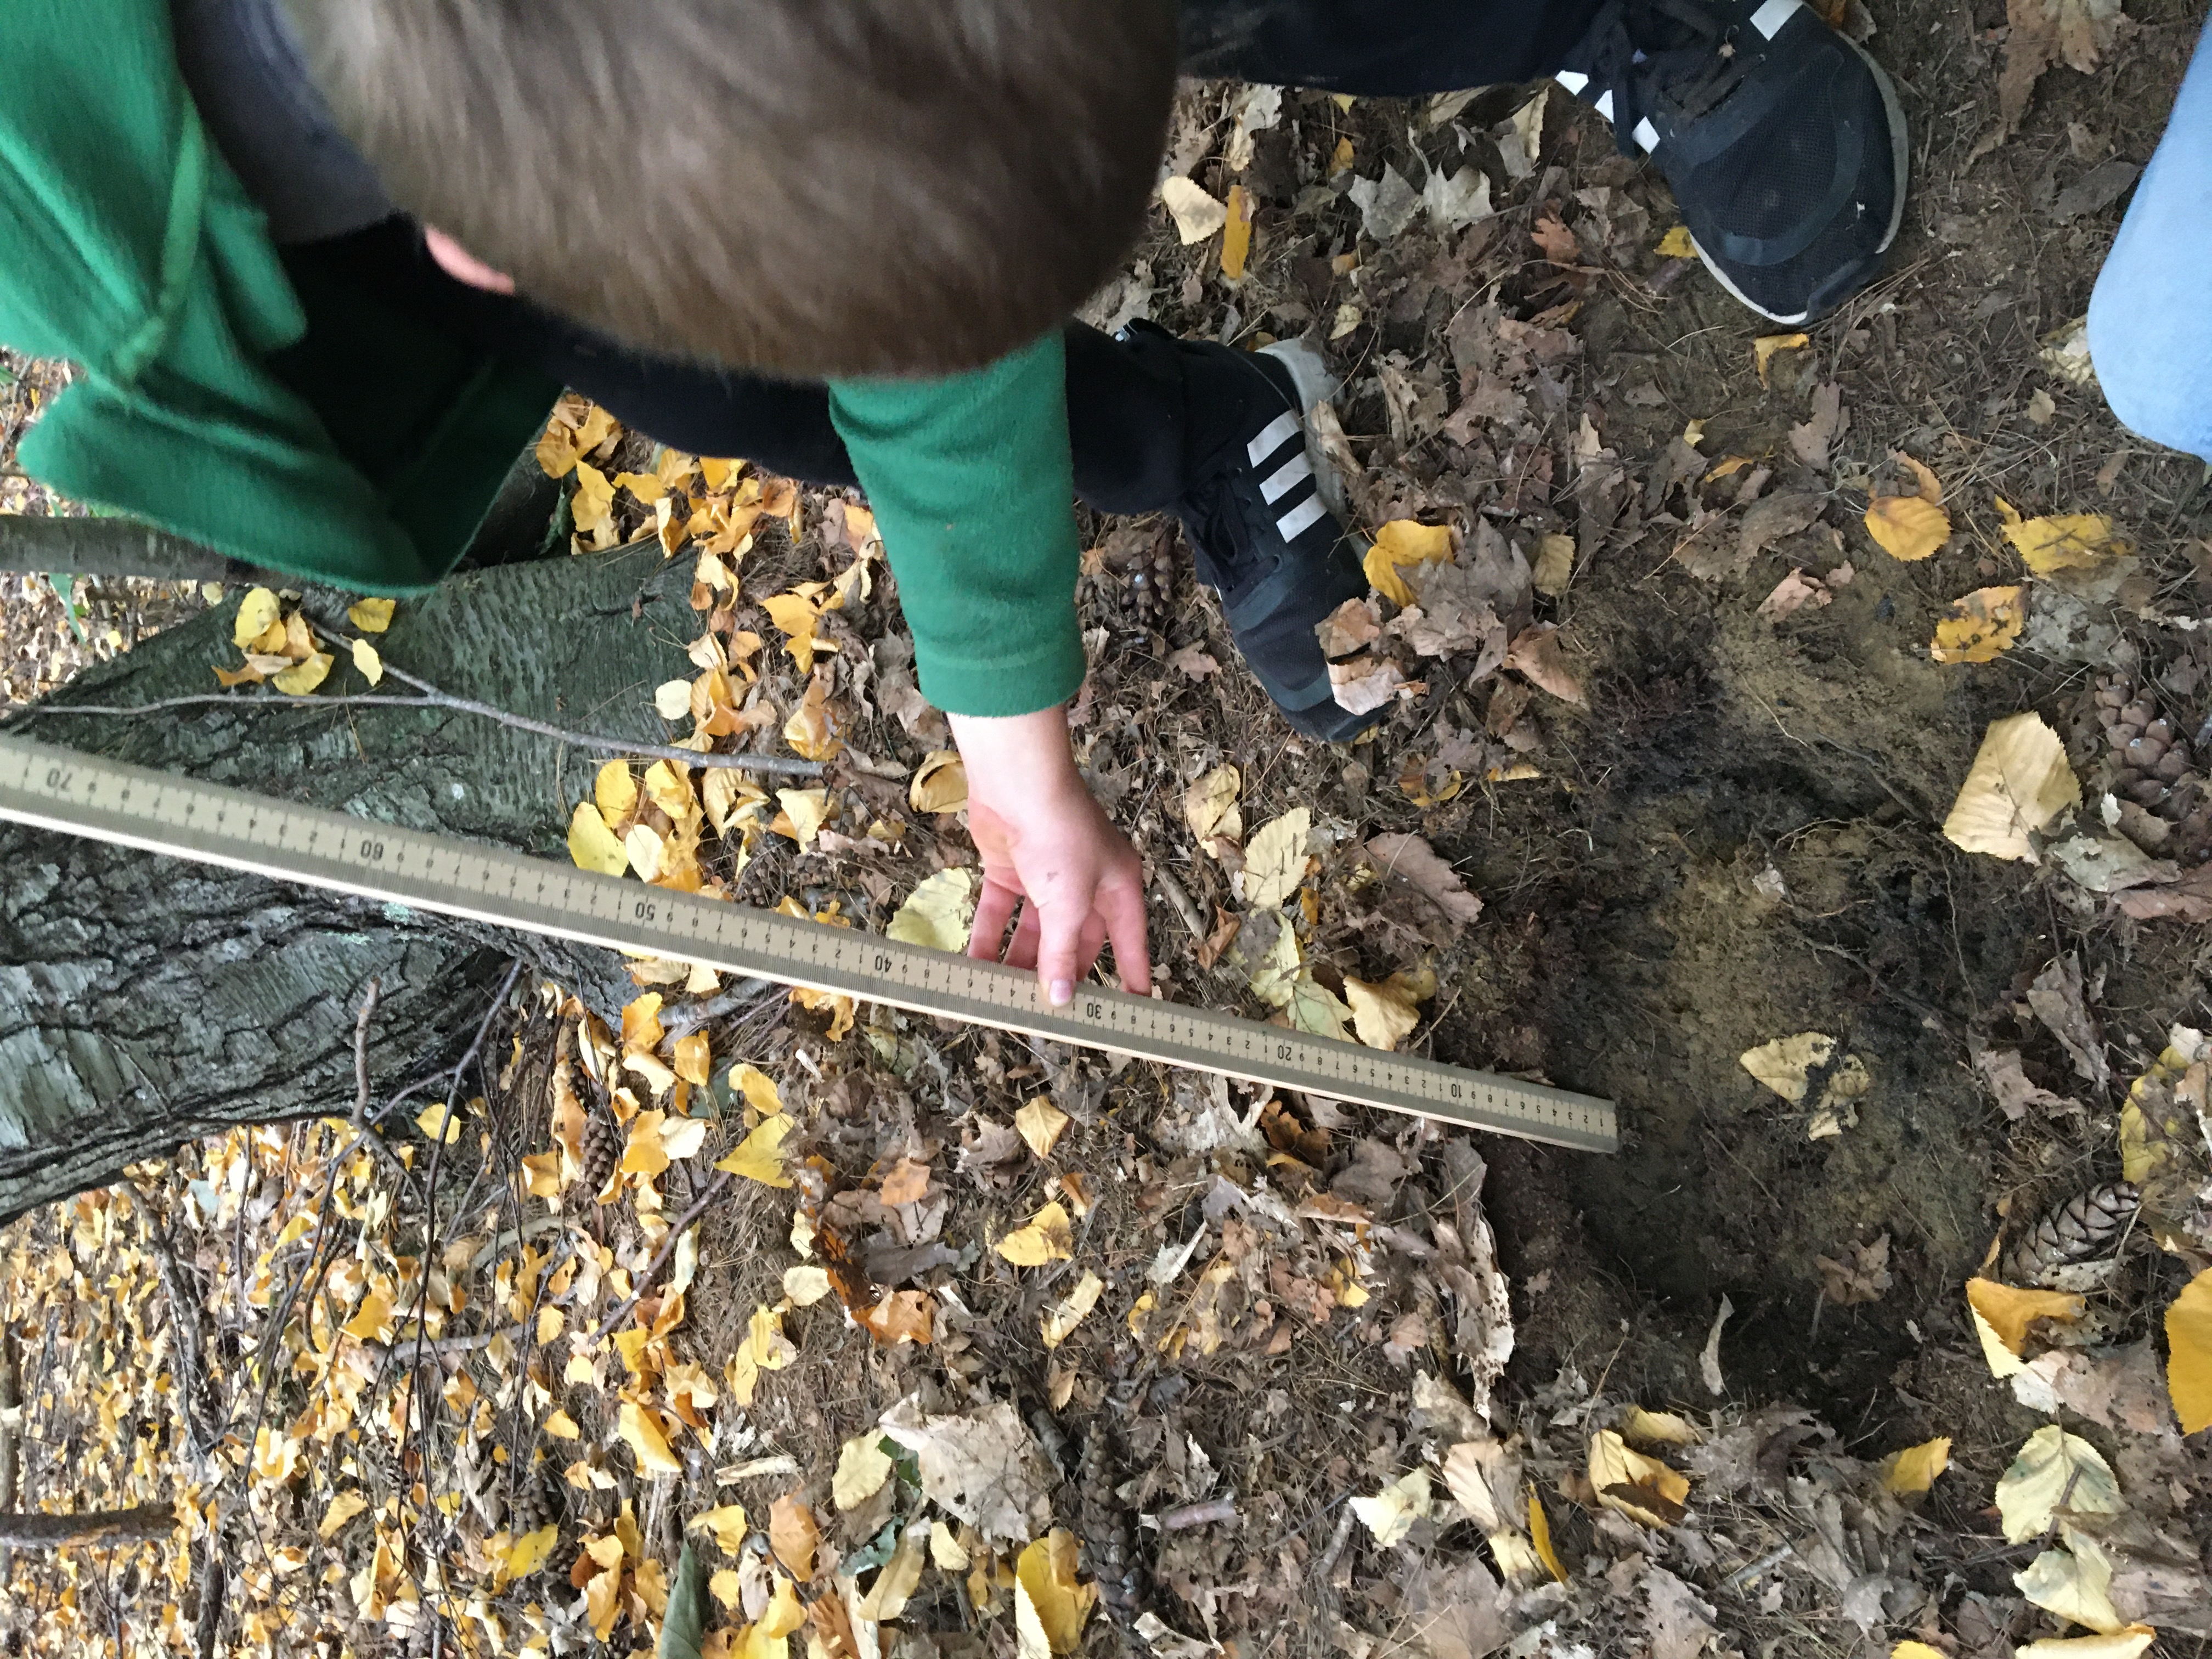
[1340, 1387]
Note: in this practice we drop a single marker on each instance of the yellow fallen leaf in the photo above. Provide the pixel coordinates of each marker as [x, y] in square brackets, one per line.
[1540, 1535]
[727, 1523]
[1676, 244]
[795, 614]
[2054, 1468]
[672, 699]
[757, 1088]
[2123, 1644]
[759, 1156]
[256, 612]
[793, 1536]
[936, 914]
[805, 1285]
[2010, 1310]
[343, 1508]
[1050, 1601]
[1209, 806]
[2189, 1350]
[1766, 345]
[1237, 238]
[371, 616]
[1197, 215]
[1915, 1468]
[614, 791]
[812, 731]
[727, 1589]
[1641, 1488]
[365, 660]
[695, 1059]
[1977, 628]
[1049, 1237]
[1384, 1014]
[841, 1011]
[562, 1426]
[1917, 1650]
[527, 1554]
[592, 507]
[1063, 1316]
[807, 811]
[940, 783]
[1907, 527]
[2075, 1583]
[641, 1022]
[593, 845]
[1784, 1064]
[2019, 782]
[2072, 541]
[439, 1122]
[542, 1174]
[303, 678]
[1390, 1514]
[639, 1429]
[1275, 863]
[1658, 1429]
[945, 1549]
[1041, 1124]
[786, 1614]
[863, 1466]
[1400, 543]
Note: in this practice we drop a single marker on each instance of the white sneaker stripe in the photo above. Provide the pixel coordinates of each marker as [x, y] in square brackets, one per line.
[1300, 518]
[1769, 18]
[1573, 79]
[1273, 489]
[1647, 135]
[1278, 432]
[1604, 105]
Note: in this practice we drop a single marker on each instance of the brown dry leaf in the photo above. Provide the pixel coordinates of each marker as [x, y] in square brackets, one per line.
[793, 1536]
[1412, 858]
[1227, 924]
[1862, 1274]
[1793, 593]
[2019, 782]
[1347, 629]
[940, 783]
[1766, 345]
[1363, 684]
[1980, 626]
[1536, 656]
[1551, 234]
[2046, 32]
[1811, 441]
[907, 1183]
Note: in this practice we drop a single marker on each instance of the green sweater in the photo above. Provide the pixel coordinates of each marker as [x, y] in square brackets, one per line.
[321, 435]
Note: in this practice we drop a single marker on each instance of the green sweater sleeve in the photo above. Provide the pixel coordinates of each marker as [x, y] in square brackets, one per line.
[973, 486]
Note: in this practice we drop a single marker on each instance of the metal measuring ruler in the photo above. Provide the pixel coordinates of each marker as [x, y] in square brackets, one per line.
[209, 823]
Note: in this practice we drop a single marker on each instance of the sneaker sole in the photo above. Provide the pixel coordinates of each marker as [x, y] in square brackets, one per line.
[1900, 151]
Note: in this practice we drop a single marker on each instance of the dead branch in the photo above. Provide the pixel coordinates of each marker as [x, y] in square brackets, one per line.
[63, 1532]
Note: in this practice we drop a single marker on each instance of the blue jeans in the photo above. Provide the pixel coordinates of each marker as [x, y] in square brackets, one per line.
[2150, 319]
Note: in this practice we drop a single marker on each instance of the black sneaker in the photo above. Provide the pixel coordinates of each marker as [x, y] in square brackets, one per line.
[1260, 530]
[1784, 141]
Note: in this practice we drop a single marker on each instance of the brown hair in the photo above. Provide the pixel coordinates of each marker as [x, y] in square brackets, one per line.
[804, 187]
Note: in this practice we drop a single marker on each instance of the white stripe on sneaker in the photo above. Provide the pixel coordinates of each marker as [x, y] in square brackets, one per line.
[1278, 432]
[1300, 518]
[1573, 79]
[1604, 106]
[1647, 135]
[1273, 489]
[1769, 18]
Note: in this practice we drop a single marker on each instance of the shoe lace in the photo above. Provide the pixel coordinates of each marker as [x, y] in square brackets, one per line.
[1677, 50]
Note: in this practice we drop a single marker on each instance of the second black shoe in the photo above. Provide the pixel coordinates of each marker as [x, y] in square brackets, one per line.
[1783, 141]
[1260, 530]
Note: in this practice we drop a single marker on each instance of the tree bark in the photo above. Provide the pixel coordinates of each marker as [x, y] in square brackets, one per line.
[145, 1002]
[58, 1532]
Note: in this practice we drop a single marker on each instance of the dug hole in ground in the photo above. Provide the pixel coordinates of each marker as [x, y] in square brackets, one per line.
[1796, 738]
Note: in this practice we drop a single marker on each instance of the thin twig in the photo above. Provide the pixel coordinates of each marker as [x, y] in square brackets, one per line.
[360, 1052]
[742, 994]
[778, 765]
[442, 1346]
[645, 1279]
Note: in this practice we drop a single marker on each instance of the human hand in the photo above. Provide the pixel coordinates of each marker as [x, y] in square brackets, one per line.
[1045, 841]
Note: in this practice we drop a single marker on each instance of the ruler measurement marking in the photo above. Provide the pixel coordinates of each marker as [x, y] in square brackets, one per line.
[210, 823]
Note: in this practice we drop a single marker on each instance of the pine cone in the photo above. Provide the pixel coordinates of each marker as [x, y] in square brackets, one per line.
[1148, 563]
[2082, 1229]
[530, 1507]
[2149, 766]
[603, 1147]
[1109, 1550]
